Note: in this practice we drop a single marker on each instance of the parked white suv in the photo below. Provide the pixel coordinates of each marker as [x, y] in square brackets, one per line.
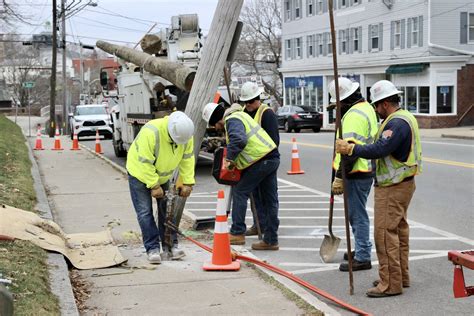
[87, 119]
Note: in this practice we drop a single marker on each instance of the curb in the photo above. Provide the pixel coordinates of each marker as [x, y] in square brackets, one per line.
[457, 136]
[58, 270]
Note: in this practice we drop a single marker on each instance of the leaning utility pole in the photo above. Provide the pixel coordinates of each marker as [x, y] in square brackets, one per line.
[52, 96]
[63, 41]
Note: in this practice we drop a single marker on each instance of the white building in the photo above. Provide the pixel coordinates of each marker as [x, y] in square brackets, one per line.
[425, 47]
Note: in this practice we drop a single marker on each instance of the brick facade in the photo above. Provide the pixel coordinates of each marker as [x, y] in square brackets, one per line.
[465, 98]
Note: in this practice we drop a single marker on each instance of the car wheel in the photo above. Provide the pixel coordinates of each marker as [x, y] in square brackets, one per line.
[316, 129]
[297, 130]
[287, 127]
[118, 148]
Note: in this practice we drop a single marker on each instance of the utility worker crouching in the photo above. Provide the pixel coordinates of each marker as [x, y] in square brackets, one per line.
[398, 152]
[248, 149]
[161, 146]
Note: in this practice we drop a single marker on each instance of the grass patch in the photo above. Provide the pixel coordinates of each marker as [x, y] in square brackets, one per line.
[308, 309]
[20, 261]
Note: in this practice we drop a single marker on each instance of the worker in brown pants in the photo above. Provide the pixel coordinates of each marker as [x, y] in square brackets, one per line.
[398, 152]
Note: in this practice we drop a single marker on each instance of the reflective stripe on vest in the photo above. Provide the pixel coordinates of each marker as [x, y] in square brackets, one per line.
[257, 147]
[258, 116]
[390, 171]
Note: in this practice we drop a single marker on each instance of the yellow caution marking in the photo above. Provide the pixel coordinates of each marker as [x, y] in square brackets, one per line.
[426, 159]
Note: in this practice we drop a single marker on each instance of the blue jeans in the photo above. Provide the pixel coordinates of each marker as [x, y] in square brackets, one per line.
[262, 174]
[142, 202]
[358, 190]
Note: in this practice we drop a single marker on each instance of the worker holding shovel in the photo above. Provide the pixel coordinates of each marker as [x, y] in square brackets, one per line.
[359, 126]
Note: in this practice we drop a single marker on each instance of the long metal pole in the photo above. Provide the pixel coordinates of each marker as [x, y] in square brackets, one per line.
[52, 96]
[339, 128]
[63, 41]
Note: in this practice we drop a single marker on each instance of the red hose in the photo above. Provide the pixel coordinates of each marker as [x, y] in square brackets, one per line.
[289, 276]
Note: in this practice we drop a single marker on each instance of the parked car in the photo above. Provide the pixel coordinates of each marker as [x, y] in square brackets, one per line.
[87, 119]
[297, 117]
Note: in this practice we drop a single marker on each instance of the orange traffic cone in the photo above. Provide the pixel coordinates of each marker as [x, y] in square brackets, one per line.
[75, 142]
[221, 255]
[39, 141]
[295, 159]
[57, 141]
[98, 147]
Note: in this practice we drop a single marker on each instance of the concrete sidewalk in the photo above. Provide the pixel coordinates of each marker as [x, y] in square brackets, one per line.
[87, 194]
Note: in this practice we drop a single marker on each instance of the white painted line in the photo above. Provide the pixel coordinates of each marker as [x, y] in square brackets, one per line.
[316, 249]
[281, 202]
[343, 237]
[280, 210]
[448, 144]
[324, 226]
[307, 217]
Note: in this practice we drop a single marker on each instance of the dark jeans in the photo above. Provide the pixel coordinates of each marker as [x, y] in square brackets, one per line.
[142, 202]
[262, 174]
[358, 190]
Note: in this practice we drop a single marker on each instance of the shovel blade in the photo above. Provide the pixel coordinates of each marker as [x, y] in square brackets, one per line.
[328, 248]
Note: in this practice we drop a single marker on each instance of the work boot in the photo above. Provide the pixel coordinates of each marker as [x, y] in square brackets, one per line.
[376, 282]
[346, 257]
[177, 253]
[375, 292]
[261, 245]
[252, 231]
[356, 266]
[154, 256]
[237, 239]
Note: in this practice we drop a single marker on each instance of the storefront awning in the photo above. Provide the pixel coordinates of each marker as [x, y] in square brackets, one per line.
[405, 69]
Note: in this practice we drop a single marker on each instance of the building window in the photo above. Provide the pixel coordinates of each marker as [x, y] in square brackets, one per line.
[410, 99]
[329, 44]
[288, 49]
[310, 40]
[310, 7]
[319, 40]
[374, 37]
[297, 9]
[343, 3]
[355, 2]
[287, 10]
[471, 27]
[356, 39]
[298, 47]
[416, 99]
[444, 96]
[424, 99]
[319, 7]
[415, 29]
[343, 41]
[397, 35]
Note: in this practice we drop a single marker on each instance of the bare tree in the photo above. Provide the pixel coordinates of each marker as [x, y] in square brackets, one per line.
[260, 44]
[9, 14]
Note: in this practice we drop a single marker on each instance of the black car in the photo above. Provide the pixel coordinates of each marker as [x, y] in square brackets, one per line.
[297, 117]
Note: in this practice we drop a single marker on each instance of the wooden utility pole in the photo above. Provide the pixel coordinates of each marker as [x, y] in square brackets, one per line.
[63, 42]
[52, 96]
[176, 73]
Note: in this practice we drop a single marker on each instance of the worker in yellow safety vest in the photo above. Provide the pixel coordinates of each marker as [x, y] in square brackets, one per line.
[161, 146]
[249, 149]
[359, 125]
[397, 149]
[266, 118]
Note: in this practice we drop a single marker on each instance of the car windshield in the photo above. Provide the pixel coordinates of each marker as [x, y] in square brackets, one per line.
[303, 108]
[91, 110]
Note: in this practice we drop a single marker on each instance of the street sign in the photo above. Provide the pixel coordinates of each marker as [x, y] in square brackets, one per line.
[444, 90]
[28, 84]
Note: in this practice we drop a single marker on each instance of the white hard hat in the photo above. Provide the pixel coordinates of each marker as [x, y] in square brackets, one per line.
[180, 127]
[383, 89]
[249, 91]
[346, 88]
[208, 110]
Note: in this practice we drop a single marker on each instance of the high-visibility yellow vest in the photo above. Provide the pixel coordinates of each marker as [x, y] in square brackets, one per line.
[391, 171]
[258, 116]
[153, 156]
[259, 143]
[359, 125]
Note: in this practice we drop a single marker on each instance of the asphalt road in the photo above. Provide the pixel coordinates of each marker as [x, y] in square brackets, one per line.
[441, 218]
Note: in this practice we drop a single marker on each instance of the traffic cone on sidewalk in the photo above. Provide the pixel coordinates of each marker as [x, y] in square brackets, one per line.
[221, 255]
[98, 147]
[75, 142]
[295, 159]
[57, 141]
[39, 141]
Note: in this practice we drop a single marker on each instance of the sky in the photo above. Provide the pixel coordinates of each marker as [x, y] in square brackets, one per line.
[117, 21]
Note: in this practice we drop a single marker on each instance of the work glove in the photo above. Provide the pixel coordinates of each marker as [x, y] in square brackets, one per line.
[229, 164]
[337, 186]
[157, 192]
[344, 147]
[184, 190]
